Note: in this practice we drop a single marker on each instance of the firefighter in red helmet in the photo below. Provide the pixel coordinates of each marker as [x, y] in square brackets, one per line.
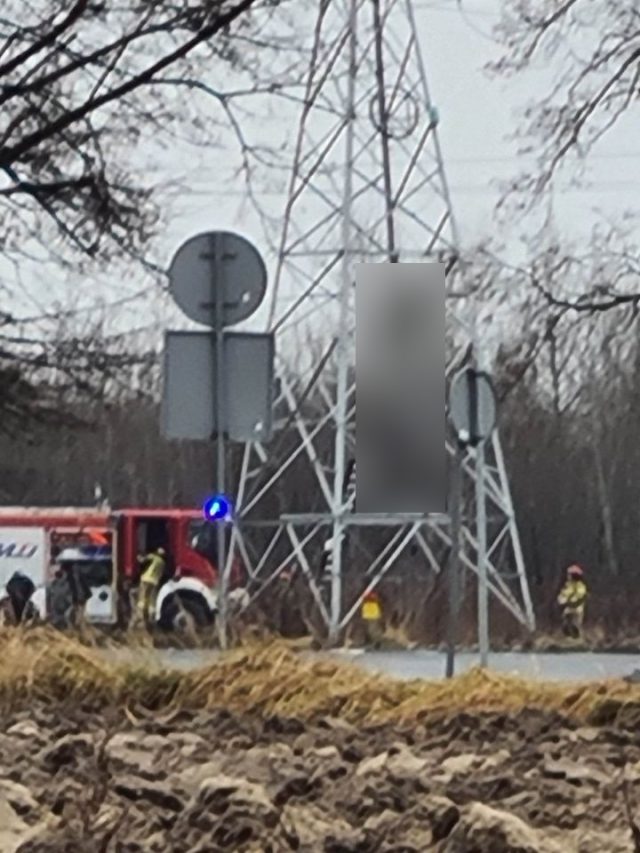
[572, 599]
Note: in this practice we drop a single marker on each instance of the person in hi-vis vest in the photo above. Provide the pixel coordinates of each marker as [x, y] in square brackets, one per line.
[153, 569]
[371, 613]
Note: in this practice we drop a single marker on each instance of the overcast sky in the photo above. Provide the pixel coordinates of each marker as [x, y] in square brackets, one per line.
[478, 115]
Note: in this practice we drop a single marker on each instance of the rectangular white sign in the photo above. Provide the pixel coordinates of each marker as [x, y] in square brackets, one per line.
[23, 549]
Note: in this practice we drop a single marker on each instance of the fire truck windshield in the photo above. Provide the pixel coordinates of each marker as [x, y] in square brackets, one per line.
[92, 563]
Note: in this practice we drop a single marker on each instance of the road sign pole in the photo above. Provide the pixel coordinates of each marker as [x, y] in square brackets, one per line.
[218, 279]
[477, 440]
[472, 408]
[454, 559]
[218, 287]
[481, 535]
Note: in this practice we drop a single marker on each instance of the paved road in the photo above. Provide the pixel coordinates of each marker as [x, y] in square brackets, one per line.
[574, 666]
[546, 666]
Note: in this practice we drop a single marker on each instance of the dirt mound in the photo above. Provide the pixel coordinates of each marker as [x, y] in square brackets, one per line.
[208, 781]
[264, 751]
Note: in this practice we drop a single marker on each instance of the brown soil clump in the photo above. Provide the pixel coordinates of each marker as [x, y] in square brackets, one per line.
[534, 782]
[264, 752]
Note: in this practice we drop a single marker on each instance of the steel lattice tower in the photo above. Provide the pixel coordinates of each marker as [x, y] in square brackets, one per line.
[367, 184]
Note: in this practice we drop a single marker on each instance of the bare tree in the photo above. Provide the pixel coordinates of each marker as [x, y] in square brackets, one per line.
[80, 84]
[592, 53]
[593, 50]
[83, 83]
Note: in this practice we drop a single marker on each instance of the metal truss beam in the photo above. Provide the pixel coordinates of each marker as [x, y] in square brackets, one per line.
[367, 184]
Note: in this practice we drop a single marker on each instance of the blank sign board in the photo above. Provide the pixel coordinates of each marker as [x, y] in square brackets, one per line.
[188, 404]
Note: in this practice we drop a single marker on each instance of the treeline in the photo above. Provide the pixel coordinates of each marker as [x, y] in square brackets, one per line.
[574, 471]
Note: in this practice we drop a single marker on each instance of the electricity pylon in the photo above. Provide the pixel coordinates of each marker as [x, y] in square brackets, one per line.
[367, 184]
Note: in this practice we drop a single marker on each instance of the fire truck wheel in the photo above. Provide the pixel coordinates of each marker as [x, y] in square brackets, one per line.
[185, 613]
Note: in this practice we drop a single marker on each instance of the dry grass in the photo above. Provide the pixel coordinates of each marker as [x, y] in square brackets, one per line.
[44, 665]
[398, 637]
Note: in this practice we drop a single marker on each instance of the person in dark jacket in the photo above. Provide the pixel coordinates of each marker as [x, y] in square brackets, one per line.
[19, 589]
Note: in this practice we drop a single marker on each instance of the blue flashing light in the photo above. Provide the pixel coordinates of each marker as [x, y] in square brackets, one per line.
[217, 508]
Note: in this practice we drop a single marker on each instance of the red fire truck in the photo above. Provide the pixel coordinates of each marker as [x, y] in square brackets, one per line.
[100, 549]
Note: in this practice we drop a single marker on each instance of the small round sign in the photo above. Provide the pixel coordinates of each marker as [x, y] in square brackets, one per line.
[212, 260]
[472, 406]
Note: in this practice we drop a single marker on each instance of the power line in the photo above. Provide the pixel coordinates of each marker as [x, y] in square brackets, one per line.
[499, 158]
[440, 7]
[598, 186]
[508, 158]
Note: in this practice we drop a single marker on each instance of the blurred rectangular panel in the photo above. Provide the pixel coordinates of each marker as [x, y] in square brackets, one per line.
[400, 388]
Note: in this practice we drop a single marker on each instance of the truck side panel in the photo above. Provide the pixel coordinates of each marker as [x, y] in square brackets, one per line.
[26, 550]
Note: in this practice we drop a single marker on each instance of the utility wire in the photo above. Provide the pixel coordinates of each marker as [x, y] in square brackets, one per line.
[452, 7]
[596, 186]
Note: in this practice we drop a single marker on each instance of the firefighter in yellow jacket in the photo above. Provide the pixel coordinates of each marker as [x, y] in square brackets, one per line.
[371, 613]
[572, 599]
[154, 565]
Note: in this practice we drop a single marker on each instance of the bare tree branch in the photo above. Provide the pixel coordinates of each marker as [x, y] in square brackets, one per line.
[595, 52]
[75, 96]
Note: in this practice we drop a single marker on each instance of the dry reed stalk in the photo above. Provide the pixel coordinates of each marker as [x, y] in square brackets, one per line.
[44, 665]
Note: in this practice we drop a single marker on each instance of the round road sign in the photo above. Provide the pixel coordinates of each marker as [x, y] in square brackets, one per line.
[472, 406]
[218, 259]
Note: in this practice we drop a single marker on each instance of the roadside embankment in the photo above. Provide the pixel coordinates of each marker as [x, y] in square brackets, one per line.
[267, 751]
